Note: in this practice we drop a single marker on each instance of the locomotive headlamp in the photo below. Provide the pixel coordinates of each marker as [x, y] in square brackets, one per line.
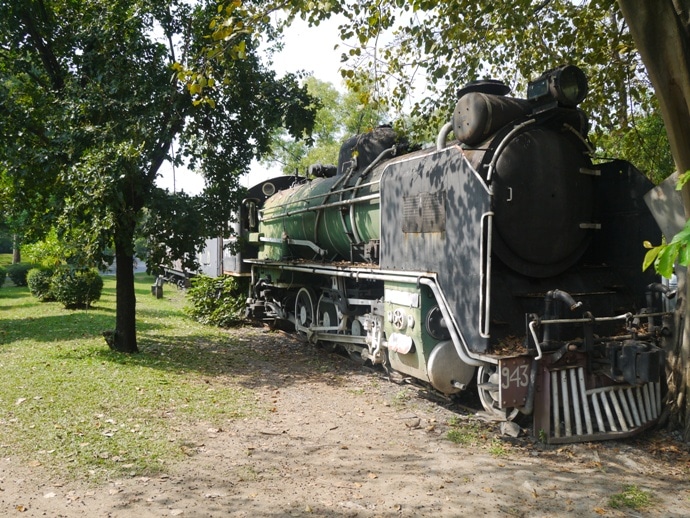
[566, 84]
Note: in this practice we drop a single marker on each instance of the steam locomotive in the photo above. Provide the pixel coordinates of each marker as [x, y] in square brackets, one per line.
[504, 259]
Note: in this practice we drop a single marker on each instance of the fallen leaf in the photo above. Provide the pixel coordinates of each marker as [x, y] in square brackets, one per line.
[599, 510]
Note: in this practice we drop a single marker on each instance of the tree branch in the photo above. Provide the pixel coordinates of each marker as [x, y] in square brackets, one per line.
[43, 45]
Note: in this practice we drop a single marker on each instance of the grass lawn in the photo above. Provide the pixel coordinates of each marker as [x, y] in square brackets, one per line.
[69, 403]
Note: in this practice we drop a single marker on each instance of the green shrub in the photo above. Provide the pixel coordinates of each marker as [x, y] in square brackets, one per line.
[38, 280]
[3, 274]
[17, 273]
[76, 288]
[218, 302]
[632, 497]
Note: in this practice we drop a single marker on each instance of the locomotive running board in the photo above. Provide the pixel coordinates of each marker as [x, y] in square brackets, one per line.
[573, 413]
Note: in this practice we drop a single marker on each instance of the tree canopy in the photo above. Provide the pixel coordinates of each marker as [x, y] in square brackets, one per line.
[416, 54]
[443, 45]
[92, 95]
[338, 117]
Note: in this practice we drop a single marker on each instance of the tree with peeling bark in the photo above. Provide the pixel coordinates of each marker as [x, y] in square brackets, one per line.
[92, 97]
[661, 32]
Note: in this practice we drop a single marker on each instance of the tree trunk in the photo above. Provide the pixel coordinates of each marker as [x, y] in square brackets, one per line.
[125, 336]
[661, 32]
[16, 254]
[681, 371]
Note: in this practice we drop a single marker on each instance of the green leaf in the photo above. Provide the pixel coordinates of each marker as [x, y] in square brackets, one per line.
[666, 259]
[650, 257]
[684, 235]
[682, 180]
[684, 255]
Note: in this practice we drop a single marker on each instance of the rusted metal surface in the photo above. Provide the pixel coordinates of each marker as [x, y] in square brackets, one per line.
[515, 379]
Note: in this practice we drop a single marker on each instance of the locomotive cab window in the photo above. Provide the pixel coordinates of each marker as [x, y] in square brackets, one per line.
[252, 214]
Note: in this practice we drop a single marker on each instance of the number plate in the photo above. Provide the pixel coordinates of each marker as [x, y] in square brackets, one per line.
[514, 381]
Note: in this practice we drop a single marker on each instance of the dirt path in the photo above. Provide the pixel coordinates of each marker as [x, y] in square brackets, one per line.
[341, 441]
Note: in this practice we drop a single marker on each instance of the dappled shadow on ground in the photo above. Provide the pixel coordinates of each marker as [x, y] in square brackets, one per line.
[261, 358]
[24, 317]
[421, 476]
[56, 324]
[337, 443]
[337, 440]
[249, 356]
[306, 437]
[12, 292]
[69, 325]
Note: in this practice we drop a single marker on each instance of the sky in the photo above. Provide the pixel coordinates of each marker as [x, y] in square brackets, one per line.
[306, 48]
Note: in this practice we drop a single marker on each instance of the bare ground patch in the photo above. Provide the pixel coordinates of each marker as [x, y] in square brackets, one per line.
[337, 440]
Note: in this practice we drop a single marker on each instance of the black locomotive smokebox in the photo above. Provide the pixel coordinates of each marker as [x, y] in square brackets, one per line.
[542, 203]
